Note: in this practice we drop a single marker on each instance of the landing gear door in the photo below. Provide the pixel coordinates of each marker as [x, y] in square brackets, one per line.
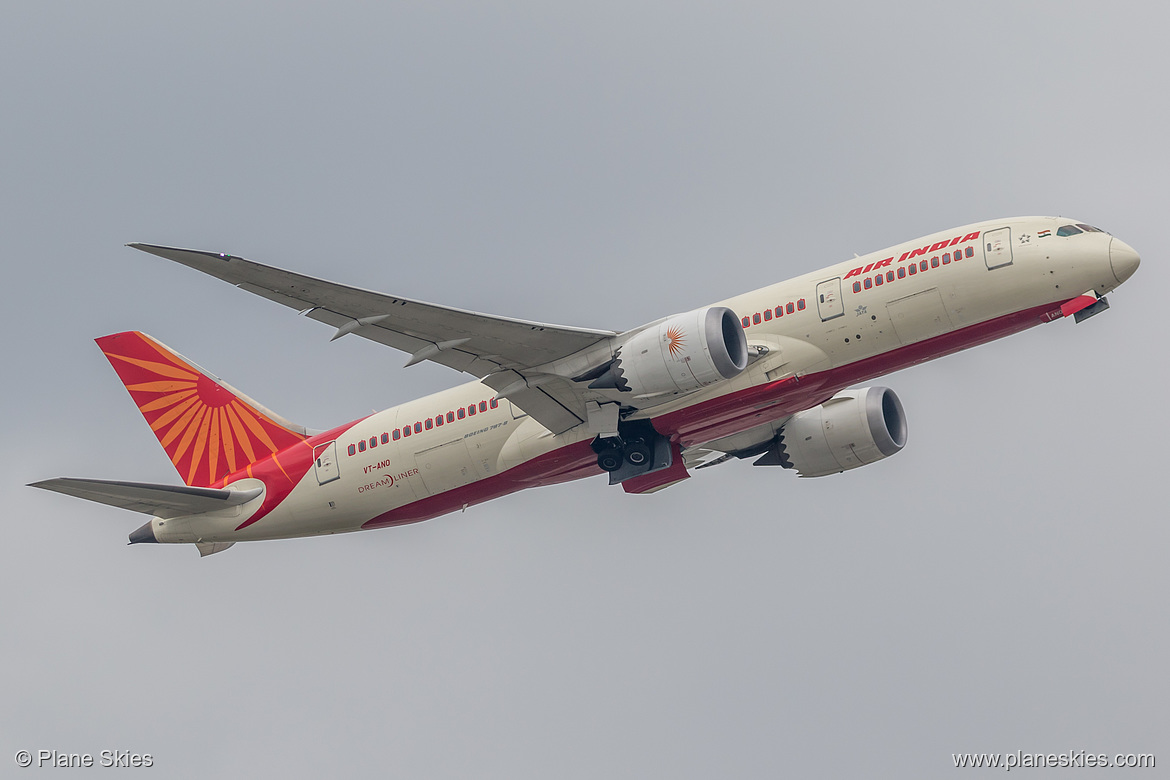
[325, 460]
[997, 247]
[829, 303]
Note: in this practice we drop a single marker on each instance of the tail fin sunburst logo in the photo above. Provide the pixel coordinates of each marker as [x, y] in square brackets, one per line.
[675, 339]
[207, 430]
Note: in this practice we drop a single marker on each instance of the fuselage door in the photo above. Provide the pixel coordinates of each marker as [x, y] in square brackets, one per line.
[325, 458]
[829, 303]
[997, 247]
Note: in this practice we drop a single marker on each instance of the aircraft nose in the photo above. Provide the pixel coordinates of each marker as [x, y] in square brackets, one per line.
[1123, 259]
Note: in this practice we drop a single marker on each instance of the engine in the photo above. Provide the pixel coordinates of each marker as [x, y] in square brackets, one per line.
[851, 429]
[679, 354]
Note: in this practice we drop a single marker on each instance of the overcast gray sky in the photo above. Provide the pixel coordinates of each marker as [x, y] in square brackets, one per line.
[998, 586]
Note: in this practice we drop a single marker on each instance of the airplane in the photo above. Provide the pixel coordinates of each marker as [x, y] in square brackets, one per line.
[764, 375]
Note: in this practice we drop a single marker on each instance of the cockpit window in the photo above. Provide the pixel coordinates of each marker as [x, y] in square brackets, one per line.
[1089, 228]
[1068, 230]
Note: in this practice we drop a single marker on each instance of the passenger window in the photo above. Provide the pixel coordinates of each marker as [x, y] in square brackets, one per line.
[494, 403]
[767, 315]
[471, 410]
[878, 280]
[922, 266]
[800, 305]
[460, 413]
[385, 438]
[418, 427]
[790, 308]
[429, 424]
[857, 287]
[889, 276]
[913, 268]
[397, 434]
[946, 258]
[362, 445]
[969, 252]
[902, 272]
[756, 319]
[373, 442]
[1068, 230]
[934, 262]
[438, 420]
[353, 449]
[450, 416]
[868, 282]
[746, 322]
[406, 431]
[483, 406]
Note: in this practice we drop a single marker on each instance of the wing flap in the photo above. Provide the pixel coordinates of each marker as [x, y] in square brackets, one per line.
[163, 501]
[281, 298]
[546, 410]
[549, 399]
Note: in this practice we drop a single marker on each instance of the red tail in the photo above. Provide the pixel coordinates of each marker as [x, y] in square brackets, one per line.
[208, 429]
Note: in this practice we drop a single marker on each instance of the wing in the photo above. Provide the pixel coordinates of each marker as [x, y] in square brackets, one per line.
[499, 350]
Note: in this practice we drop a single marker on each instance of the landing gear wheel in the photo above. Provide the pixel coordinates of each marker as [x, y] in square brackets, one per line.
[610, 459]
[637, 453]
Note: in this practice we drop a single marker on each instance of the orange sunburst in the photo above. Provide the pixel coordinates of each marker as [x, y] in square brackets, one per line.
[208, 431]
[675, 339]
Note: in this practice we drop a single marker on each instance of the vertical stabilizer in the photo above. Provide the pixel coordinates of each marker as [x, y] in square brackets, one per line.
[208, 429]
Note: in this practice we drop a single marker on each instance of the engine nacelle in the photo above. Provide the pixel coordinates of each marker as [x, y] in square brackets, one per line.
[851, 429]
[679, 354]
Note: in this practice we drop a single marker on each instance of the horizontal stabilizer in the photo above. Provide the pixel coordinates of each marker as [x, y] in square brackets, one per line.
[163, 501]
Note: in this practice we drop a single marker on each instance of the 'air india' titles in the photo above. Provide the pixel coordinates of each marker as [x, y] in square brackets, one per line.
[936, 247]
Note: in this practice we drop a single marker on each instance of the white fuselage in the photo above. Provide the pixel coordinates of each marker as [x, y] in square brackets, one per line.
[814, 327]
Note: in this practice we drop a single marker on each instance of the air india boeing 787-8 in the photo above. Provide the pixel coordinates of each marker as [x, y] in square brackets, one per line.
[763, 375]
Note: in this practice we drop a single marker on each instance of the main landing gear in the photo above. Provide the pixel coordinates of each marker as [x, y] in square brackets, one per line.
[609, 455]
[637, 449]
[613, 452]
